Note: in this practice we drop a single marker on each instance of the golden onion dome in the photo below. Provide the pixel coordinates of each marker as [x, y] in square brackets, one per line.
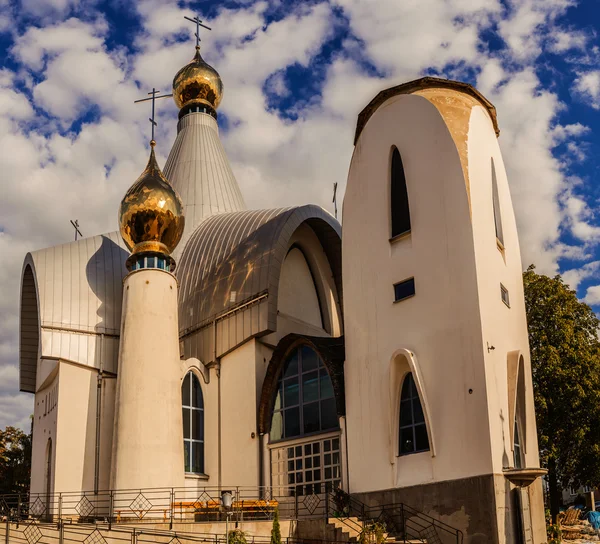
[197, 83]
[151, 214]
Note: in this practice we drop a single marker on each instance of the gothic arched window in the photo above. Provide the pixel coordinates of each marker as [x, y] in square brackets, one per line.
[304, 399]
[496, 206]
[193, 424]
[413, 429]
[399, 197]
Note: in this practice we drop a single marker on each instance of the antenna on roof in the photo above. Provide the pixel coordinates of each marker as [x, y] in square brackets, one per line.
[76, 227]
[199, 24]
[153, 98]
[335, 198]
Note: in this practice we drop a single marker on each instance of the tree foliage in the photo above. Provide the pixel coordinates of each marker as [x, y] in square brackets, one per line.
[15, 460]
[276, 530]
[565, 362]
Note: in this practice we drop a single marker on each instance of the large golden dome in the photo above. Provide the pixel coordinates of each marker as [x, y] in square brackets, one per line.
[197, 83]
[151, 214]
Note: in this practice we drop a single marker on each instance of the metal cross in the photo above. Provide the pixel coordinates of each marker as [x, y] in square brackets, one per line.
[199, 24]
[153, 98]
[76, 227]
[335, 198]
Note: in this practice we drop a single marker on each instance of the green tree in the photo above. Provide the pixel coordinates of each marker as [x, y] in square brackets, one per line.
[15, 460]
[276, 530]
[565, 362]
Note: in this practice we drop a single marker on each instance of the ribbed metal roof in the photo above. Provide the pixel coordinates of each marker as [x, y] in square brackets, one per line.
[71, 296]
[199, 170]
[234, 259]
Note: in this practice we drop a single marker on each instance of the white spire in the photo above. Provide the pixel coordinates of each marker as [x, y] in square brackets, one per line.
[199, 171]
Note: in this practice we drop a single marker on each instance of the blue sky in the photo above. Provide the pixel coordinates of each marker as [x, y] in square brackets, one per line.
[296, 76]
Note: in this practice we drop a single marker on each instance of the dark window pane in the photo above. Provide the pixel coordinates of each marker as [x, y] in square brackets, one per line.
[496, 205]
[198, 457]
[326, 386]
[418, 411]
[291, 393]
[291, 367]
[298, 451]
[406, 388]
[328, 473]
[329, 419]
[185, 390]
[404, 289]
[406, 417]
[317, 488]
[186, 423]
[421, 438]
[306, 449]
[299, 464]
[290, 452]
[291, 478]
[308, 476]
[310, 359]
[187, 454]
[335, 444]
[197, 425]
[316, 447]
[317, 475]
[399, 197]
[310, 386]
[327, 459]
[290, 466]
[335, 458]
[196, 393]
[308, 462]
[292, 422]
[311, 417]
[316, 461]
[277, 426]
[406, 440]
[327, 445]
[299, 477]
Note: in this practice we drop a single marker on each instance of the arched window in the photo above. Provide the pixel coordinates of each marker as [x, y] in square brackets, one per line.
[496, 205]
[518, 459]
[399, 197]
[193, 424]
[413, 430]
[304, 400]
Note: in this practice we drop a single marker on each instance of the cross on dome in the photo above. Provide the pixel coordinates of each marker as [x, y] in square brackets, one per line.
[199, 24]
[153, 97]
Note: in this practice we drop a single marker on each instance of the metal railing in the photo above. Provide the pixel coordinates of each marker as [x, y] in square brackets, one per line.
[168, 507]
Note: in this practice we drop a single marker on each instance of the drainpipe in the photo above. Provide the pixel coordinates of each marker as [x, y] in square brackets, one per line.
[218, 371]
[98, 418]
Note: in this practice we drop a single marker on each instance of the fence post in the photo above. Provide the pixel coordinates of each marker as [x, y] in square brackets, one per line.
[59, 510]
[327, 498]
[133, 537]
[18, 509]
[171, 505]
[110, 510]
[296, 505]
[61, 532]
[7, 527]
[403, 521]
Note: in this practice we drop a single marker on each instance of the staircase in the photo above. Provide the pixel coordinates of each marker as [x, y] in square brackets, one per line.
[401, 523]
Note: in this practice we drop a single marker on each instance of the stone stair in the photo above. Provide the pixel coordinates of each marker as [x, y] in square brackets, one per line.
[351, 528]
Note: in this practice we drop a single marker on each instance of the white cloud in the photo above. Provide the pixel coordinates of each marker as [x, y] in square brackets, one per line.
[587, 87]
[592, 296]
[575, 276]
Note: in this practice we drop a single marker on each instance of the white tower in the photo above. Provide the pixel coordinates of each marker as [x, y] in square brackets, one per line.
[148, 441]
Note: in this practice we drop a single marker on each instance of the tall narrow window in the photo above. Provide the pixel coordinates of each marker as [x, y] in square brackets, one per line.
[517, 448]
[399, 197]
[496, 204]
[193, 424]
[413, 430]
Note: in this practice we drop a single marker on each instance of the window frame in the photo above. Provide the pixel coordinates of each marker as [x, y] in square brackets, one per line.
[404, 282]
[194, 442]
[498, 227]
[279, 390]
[399, 201]
[412, 425]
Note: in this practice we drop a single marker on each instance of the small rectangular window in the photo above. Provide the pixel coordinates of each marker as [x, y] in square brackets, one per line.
[504, 295]
[404, 289]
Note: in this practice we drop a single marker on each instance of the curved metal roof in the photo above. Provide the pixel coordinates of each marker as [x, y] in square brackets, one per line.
[71, 295]
[233, 261]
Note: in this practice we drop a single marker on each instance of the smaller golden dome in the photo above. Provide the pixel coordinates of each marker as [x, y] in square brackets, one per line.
[151, 214]
[197, 83]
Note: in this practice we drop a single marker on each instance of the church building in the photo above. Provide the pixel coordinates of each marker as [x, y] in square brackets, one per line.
[208, 345]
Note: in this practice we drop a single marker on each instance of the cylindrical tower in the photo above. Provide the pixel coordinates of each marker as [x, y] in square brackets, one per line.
[148, 440]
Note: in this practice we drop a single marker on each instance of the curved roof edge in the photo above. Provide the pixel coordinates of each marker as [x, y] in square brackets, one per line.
[418, 85]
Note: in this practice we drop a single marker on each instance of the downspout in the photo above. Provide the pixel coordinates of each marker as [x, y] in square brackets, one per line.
[218, 370]
[98, 417]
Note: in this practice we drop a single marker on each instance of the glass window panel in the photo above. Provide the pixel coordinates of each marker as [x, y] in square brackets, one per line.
[316, 461]
[196, 393]
[306, 449]
[406, 388]
[185, 390]
[406, 440]
[317, 488]
[198, 457]
[290, 452]
[308, 462]
[413, 387]
[311, 418]
[291, 478]
[298, 451]
[327, 459]
[406, 413]
[187, 453]
[404, 289]
[277, 426]
[335, 458]
[310, 359]
[329, 419]
[418, 411]
[291, 393]
[186, 422]
[308, 476]
[317, 475]
[316, 447]
[299, 477]
[299, 464]
[335, 444]
[422, 441]
[326, 385]
[197, 427]
[290, 466]
[277, 405]
[291, 366]
[310, 386]
[327, 445]
[328, 473]
[292, 423]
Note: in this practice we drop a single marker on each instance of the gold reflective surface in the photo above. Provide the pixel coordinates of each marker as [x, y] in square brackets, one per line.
[151, 214]
[197, 83]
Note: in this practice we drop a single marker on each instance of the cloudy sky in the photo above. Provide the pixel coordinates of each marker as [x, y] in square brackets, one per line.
[296, 75]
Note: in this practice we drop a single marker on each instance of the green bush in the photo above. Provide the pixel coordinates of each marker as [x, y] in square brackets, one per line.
[237, 536]
[372, 533]
[554, 534]
[276, 530]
